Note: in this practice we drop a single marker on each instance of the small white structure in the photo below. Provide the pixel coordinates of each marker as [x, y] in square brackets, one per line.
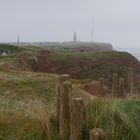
[3, 54]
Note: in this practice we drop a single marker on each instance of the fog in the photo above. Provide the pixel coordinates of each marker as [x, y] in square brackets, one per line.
[113, 21]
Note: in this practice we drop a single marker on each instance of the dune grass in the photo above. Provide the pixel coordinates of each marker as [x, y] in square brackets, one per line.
[118, 117]
[28, 110]
[33, 120]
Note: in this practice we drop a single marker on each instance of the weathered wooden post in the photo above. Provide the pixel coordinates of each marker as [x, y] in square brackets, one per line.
[58, 91]
[64, 114]
[121, 91]
[76, 119]
[114, 85]
[62, 78]
[101, 87]
[97, 134]
[130, 80]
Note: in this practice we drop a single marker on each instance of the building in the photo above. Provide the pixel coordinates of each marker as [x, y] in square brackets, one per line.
[74, 37]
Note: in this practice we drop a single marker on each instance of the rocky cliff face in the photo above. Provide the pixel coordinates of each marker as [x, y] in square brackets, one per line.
[82, 66]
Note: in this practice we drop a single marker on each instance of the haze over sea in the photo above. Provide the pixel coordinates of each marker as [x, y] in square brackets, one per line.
[134, 51]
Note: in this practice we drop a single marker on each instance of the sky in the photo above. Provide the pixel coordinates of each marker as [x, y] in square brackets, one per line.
[113, 21]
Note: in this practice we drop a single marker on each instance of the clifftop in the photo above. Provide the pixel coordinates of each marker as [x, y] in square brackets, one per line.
[80, 46]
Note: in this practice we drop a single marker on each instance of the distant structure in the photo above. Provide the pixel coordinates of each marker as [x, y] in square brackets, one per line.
[74, 37]
[18, 40]
[2, 53]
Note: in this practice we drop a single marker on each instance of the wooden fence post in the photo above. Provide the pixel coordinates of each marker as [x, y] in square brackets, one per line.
[62, 78]
[114, 85]
[130, 80]
[97, 134]
[121, 92]
[101, 87]
[64, 114]
[58, 91]
[76, 119]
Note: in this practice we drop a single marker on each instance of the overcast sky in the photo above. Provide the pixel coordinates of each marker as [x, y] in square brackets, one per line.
[114, 21]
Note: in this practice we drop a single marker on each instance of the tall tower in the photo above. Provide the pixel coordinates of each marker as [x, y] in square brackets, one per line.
[18, 40]
[74, 37]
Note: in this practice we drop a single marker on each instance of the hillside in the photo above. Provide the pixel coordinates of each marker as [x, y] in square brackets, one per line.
[81, 65]
[28, 94]
[10, 49]
[28, 109]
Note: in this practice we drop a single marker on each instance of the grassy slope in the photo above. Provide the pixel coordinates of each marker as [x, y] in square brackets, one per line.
[11, 48]
[14, 50]
[27, 109]
[91, 65]
[120, 118]
[22, 95]
[28, 99]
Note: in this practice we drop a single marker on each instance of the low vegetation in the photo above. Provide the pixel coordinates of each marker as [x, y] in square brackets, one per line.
[28, 103]
[11, 49]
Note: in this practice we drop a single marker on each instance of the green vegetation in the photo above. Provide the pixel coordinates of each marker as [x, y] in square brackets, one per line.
[10, 49]
[119, 118]
[25, 99]
[92, 65]
[28, 101]
[7, 59]
[32, 119]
